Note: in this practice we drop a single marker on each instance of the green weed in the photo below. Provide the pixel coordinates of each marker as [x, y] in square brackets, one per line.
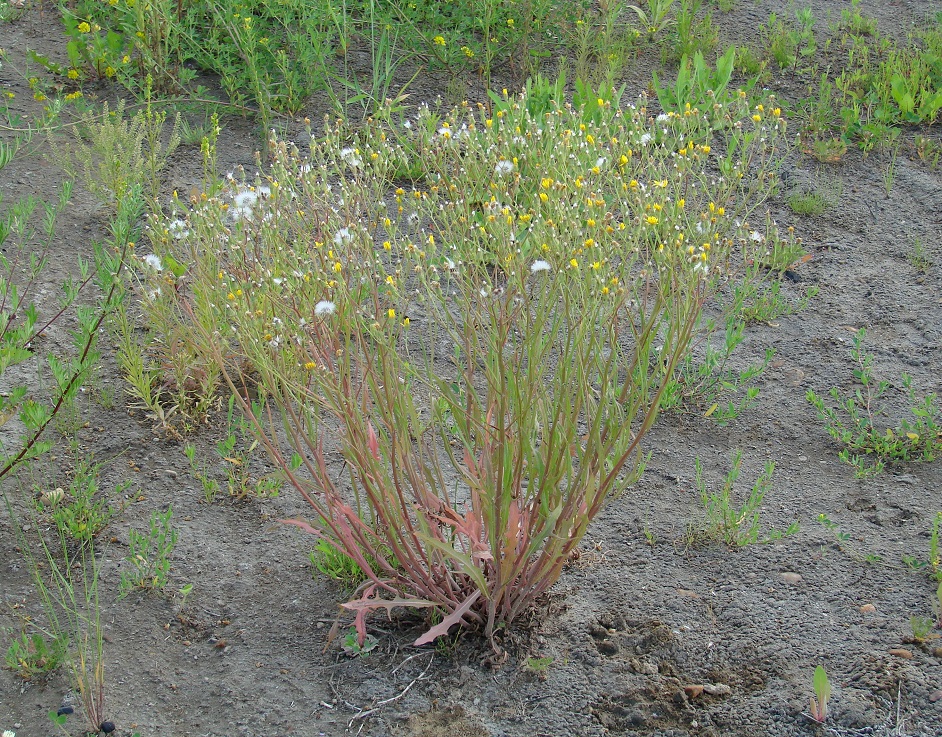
[34, 656]
[853, 422]
[149, 554]
[737, 525]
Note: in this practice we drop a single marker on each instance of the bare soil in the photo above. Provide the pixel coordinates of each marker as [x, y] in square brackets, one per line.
[642, 613]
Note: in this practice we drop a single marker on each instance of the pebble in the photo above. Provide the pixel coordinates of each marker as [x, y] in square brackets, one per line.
[868, 609]
[717, 689]
[901, 652]
[170, 472]
[693, 690]
[792, 578]
[937, 652]
[933, 697]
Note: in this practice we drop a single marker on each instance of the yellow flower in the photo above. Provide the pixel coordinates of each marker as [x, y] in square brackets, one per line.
[510, 22]
[573, 263]
[391, 313]
[83, 27]
[757, 117]
[652, 220]
[310, 365]
[439, 41]
[125, 59]
[338, 267]
[109, 71]
[405, 322]
[72, 74]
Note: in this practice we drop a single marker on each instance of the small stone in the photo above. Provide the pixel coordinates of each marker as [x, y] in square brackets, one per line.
[717, 689]
[170, 472]
[693, 690]
[687, 593]
[868, 609]
[64, 710]
[937, 651]
[792, 578]
[901, 652]
[107, 727]
[933, 697]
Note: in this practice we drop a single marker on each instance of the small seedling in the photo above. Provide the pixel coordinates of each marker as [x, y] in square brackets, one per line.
[34, 656]
[822, 692]
[540, 665]
[353, 648]
[918, 257]
[921, 627]
[150, 554]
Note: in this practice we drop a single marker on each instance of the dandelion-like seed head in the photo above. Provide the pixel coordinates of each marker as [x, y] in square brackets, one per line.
[540, 265]
[503, 168]
[325, 307]
[154, 262]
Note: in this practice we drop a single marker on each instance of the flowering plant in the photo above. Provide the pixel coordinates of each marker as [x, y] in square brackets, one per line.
[486, 349]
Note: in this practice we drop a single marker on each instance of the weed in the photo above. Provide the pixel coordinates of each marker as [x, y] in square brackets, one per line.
[698, 86]
[864, 446]
[928, 150]
[336, 564]
[822, 694]
[149, 554]
[540, 443]
[921, 627]
[705, 384]
[34, 656]
[828, 150]
[695, 32]
[654, 17]
[918, 257]
[808, 203]
[236, 450]
[209, 484]
[780, 41]
[354, 646]
[115, 154]
[767, 303]
[539, 665]
[853, 21]
[81, 513]
[749, 63]
[737, 526]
